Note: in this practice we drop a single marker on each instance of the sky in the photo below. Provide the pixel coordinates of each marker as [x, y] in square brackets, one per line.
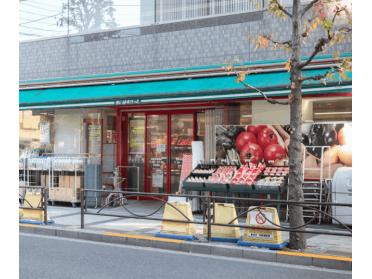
[38, 18]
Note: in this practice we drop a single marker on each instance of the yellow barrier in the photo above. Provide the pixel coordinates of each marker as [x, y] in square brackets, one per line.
[174, 229]
[224, 213]
[263, 237]
[32, 200]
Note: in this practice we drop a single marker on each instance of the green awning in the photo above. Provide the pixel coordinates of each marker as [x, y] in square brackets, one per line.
[178, 90]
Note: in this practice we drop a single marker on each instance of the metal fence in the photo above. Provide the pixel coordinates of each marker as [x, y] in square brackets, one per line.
[208, 203]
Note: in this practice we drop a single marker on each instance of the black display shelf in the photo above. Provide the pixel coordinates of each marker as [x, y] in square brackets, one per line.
[216, 187]
[241, 188]
[193, 186]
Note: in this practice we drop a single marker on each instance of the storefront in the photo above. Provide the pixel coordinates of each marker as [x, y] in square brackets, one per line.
[144, 123]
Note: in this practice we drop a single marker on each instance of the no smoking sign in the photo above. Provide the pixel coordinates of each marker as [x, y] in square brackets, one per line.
[260, 219]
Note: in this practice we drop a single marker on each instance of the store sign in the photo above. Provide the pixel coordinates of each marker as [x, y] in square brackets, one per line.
[94, 141]
[128, 102]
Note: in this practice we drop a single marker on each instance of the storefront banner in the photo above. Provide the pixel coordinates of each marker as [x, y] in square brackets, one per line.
[44, 132]
[325, 146]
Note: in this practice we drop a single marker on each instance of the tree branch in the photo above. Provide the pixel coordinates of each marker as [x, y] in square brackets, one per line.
[317, 77]
[285, 44]
[341, 69]
[308, 7]
[280, 7]
[322, 42]
[274, 6]
[268, 99]
[318, 48]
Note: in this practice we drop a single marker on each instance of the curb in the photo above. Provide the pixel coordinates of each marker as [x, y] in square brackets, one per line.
[288, 257]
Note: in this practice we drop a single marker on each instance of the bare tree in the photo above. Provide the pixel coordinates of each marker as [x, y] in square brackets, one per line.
[333, 17]
[87, 15]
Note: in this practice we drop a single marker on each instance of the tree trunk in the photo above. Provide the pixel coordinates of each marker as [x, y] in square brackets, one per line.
[297, 240]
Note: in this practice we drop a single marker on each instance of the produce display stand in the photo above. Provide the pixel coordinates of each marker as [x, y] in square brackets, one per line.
[241, 188]
[232, 189]
[216, 187]
[226, 187]
[193, 186]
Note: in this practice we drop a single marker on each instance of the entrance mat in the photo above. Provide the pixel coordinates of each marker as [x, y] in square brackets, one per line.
[176, 236]
[34, 222]
[263, 245]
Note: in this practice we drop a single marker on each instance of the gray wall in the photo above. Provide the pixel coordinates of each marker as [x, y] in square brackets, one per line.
[191, 43]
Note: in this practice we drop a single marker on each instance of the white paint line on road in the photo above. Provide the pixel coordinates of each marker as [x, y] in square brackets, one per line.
[164, 251]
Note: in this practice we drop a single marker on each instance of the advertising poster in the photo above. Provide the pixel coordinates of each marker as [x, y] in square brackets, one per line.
[325, 146]
[44, 132]
[157, 179]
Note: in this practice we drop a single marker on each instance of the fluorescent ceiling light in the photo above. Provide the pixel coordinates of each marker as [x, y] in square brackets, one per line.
[246, 115]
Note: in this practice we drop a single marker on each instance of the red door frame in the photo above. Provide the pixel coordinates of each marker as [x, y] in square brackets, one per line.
[147, 186]
[122, 140]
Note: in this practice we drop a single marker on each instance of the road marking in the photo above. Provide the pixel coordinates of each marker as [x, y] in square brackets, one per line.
[145, 237]
[28, 225]
[186, 254]
[317, 256]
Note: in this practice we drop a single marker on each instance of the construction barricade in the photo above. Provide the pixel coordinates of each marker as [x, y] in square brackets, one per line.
[265, 217]
[34, 206]
[224, 213]
[178, 211]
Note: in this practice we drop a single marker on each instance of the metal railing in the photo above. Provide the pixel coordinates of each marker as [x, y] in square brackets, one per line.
[43, 204]
[208, 203]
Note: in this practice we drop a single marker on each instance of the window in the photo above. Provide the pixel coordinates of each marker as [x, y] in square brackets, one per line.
[332, 110]
[173, 10]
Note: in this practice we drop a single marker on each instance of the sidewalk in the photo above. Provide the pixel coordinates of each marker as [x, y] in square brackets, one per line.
[323, 250]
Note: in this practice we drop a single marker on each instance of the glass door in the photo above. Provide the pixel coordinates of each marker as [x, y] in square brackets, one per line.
[136, 151]
[157, 153]
[182, 133]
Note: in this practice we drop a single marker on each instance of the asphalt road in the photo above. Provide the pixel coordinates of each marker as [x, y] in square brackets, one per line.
[51, 257]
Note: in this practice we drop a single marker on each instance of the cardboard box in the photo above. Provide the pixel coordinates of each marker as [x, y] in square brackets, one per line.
[65, 194]
[64, 181]
[76, 180]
